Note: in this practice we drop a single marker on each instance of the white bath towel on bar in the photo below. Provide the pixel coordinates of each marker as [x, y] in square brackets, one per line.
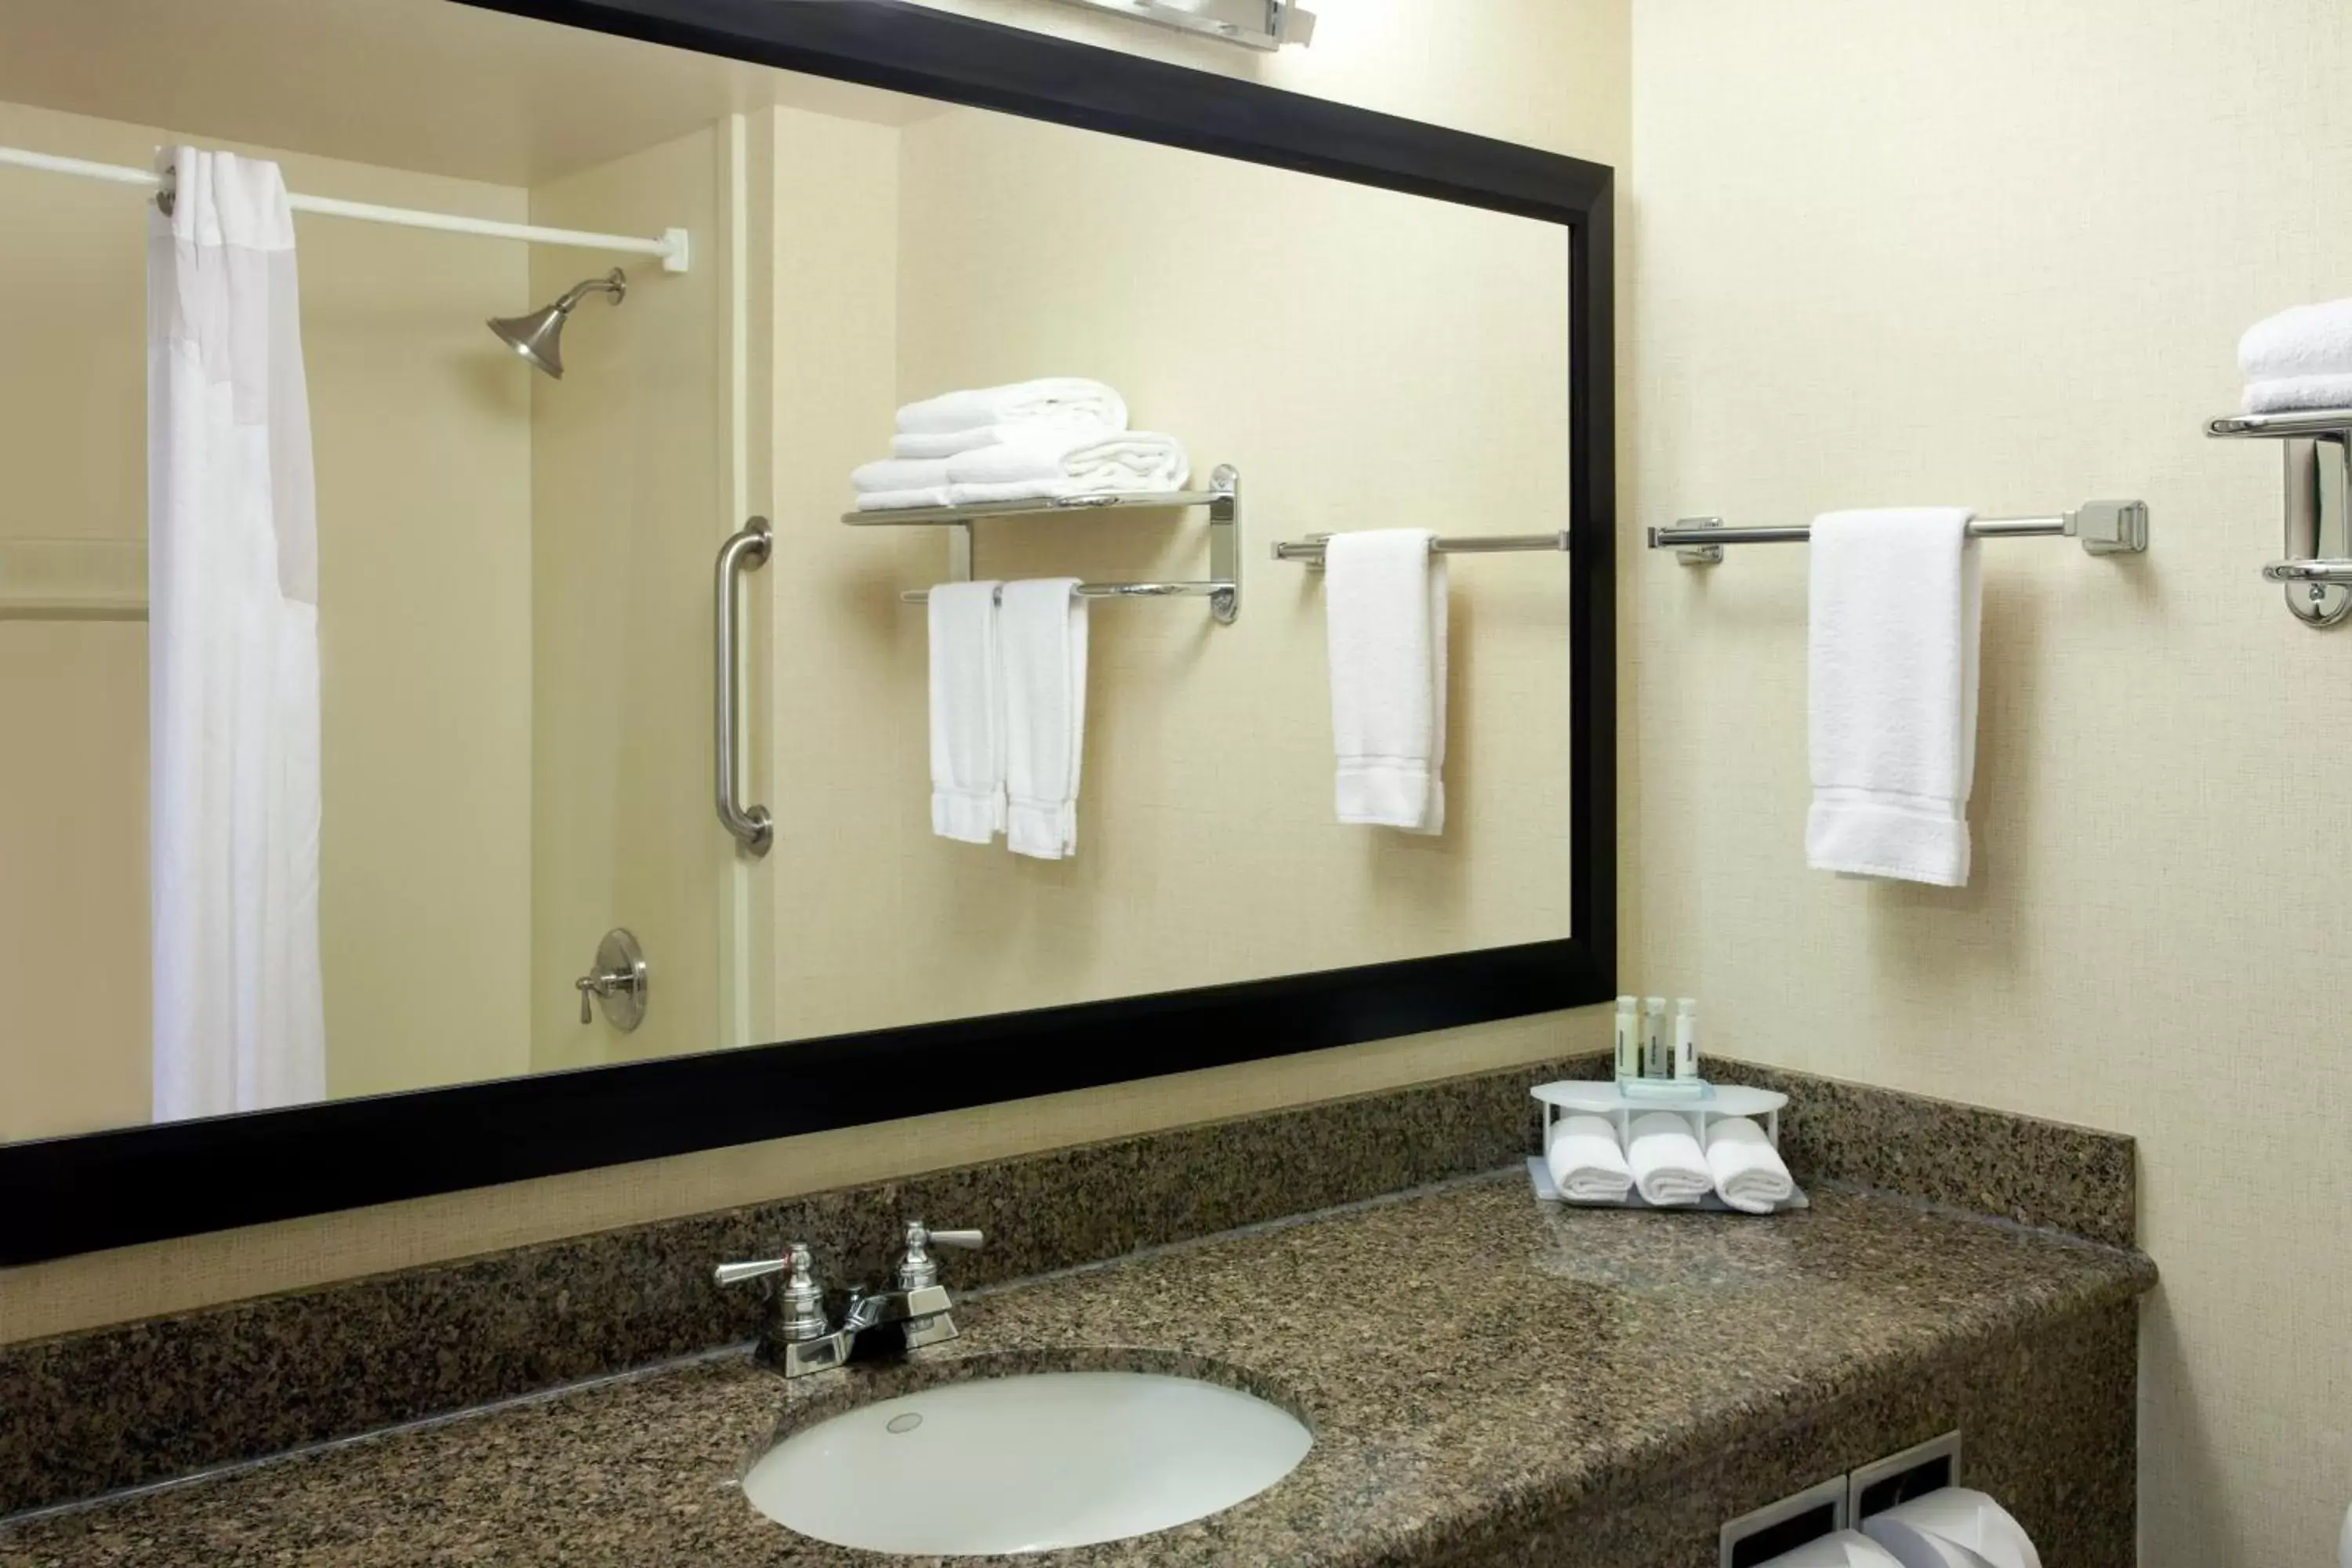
[1749, 1173]
[1384, 615]
[1585, 1161]
[1066, 399]
[1041, 628]
[1891, 698]
[967, 713]
[1667, 1164]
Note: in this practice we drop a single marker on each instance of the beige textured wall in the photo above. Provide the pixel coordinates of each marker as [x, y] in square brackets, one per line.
[628, 506]
[1999, 254]
[1542, 71]
[421, 456]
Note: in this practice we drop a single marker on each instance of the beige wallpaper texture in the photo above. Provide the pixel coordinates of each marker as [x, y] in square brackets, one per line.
[1545, 72]
[2000, 255]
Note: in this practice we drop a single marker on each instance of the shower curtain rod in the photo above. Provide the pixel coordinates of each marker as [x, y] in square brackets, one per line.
[672, 247]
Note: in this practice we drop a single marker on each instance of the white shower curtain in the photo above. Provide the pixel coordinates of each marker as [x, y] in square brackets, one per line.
[233, 650]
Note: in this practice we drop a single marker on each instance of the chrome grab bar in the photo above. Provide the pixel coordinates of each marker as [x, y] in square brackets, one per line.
[743, 552]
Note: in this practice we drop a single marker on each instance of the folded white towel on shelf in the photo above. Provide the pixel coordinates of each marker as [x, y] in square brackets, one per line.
[899, 501]
[1667, 1163]
[1384, 618]
[948, 443]
[890, 474]
[2305, 340]
[1066, 399]
[1748, 1171]
[1585, 1161]
[1892, 701]
[1041, 628]
[2286, 394]
[1061, 463]
[967, 713]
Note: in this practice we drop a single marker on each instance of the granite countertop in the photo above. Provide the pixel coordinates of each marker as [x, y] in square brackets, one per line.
[1463, 1355]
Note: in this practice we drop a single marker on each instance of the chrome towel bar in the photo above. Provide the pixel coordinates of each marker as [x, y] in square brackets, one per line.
[2104, 528]
[1108, 591]
[1309, 551]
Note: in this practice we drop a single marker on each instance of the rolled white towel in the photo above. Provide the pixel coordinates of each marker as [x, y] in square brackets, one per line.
[1667, 1164]
[1063, 463]
[2306, 339]
[1068, 399]
[948, 443]
[2286, 394]
[1748, 1171]
[1585, 1161]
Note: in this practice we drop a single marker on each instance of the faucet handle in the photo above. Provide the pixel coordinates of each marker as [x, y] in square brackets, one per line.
[800, 1303]
[916, 1266]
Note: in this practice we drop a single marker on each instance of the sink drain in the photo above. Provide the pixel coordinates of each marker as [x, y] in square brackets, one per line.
[906, 1423]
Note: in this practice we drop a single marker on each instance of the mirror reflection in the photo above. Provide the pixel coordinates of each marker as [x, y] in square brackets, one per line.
[360, 598]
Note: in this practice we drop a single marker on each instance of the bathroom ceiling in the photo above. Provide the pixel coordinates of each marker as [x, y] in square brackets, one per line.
[410, 84]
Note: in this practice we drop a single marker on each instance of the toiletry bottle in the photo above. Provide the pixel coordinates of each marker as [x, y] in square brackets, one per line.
[1628, 1038]
[1654, 1038]
[1685, 1039]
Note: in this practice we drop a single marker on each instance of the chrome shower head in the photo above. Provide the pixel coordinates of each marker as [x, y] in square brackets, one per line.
[539, 336]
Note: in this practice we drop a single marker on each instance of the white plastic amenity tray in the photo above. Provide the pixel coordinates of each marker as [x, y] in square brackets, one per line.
[1710, 1102]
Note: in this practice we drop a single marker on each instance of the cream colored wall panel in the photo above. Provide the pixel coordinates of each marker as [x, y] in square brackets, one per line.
[629, 504]
[2000, 255]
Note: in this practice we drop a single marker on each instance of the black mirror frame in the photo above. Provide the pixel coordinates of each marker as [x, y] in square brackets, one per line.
[68, 1196]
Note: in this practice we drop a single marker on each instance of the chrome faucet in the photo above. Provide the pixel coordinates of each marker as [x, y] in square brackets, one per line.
[799, 1339]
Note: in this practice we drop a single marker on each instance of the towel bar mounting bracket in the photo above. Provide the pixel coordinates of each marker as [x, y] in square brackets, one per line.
[2316, 451]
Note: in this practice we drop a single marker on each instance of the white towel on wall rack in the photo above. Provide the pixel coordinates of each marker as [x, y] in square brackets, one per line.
[1041, 628]
[1384, 616]
[948, 443]
[967, 713]
[1891, 638]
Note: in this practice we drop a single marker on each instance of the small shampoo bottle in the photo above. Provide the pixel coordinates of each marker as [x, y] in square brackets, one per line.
[1654, 1038]
[1628, 1038]
[1685, 1039]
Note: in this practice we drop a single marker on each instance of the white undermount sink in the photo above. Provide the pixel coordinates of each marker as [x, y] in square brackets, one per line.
[1030, 1463]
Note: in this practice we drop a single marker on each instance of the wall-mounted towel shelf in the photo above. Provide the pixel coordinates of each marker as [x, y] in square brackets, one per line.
[2316, 452]
[1222, 587]
[1309, 551]
[2104, 528]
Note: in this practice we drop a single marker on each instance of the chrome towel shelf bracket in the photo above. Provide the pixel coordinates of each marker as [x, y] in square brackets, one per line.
[2100, 527]
[2316, 450]
[1222, 587]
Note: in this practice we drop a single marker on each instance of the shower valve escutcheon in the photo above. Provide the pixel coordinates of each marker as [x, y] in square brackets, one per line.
[618, 981]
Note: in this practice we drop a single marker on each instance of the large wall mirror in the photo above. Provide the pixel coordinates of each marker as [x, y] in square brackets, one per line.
[323, 861]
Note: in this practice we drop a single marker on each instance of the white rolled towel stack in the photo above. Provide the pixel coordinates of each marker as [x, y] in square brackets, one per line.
[1746, 1170]
[2299, 359]
[1667, 1164]
[1059, 438]
[1586, 1164]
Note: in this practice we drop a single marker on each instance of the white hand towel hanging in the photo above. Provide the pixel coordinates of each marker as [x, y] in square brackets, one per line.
[1384, 615]
[1891, 665]
[967, 713]
[1041, 628]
